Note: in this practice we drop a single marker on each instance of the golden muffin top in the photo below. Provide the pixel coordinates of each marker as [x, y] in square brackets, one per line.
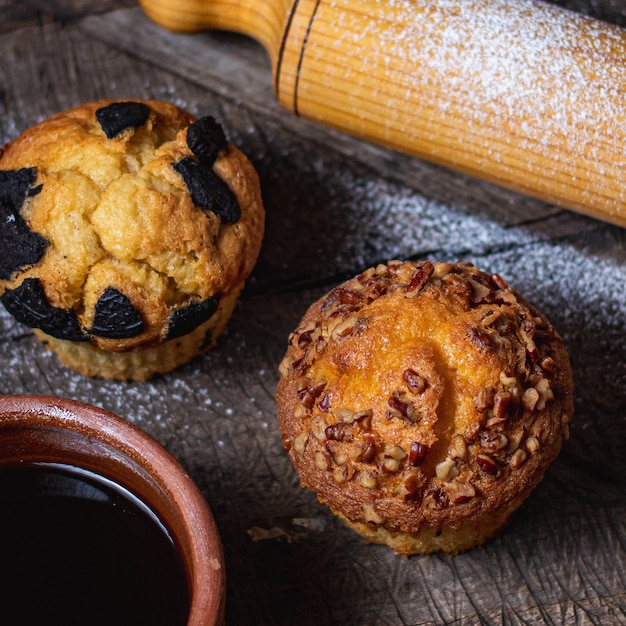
[125, 222]
[422, 394]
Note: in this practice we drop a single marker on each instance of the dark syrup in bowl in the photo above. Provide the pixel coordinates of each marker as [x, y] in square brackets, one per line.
[76, 548]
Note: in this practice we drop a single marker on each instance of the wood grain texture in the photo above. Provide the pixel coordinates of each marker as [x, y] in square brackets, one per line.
[265, 21]
[336, 205]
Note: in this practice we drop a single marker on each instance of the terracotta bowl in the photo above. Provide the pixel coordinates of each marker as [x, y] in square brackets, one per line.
[40, 429]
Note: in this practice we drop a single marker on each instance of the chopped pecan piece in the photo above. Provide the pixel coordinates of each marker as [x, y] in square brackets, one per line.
[417, 453]
[461, 492]
[369, 450]
[414, 381]
[310, 393]
[446, 469]
[501, 402]
[487, 464]
[339, 431]
[483, 400]
[421, 277]
[371, 516]
[401, 408]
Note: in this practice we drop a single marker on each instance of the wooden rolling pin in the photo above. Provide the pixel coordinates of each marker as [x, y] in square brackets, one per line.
[518, 92]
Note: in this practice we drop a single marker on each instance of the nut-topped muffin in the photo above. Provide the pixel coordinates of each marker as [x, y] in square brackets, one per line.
[128, 229]
[423, 402]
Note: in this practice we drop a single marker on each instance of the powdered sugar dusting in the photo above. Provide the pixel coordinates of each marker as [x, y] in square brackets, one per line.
[497, 56]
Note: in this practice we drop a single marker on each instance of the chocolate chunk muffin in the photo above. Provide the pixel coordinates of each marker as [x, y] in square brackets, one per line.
[127, 230]
[423, 402]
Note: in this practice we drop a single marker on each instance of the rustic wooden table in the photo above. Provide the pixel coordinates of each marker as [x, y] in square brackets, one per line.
[335, 206]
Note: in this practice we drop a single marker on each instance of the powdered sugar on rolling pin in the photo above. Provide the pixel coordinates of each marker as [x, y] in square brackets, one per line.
[523, 83]
[498, 56]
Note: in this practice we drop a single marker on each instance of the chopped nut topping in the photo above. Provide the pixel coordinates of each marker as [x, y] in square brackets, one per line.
[356, 453]
[324, 403]
[310, 393]
[505, 297]
[483, 400]
[369, 449]
[371, 516]
[346, 296]
[318, 428]
[338, 431]
[300, 442]
[514, 441]
[441, 269]
[343, 473]
[530, 397]
[545, 393]
[454, 280]
[532, 444]
[446, 469]
[490, 317]
[458, 447]
[343, 414]
[532, 351]
[305, 339]
[417, 454]
[436, 498]
[480, 339]
[501, 403]
[368, 480]
[338, 455]
[487, 464]
[413, 485]
[299, 365]
[321, 462]
[507, 381]
[517, 458]
[364, 418]
[344, 328]
[479, 291]
[493, 441]
[529, 327]
[494, 421]
[414, 381]
[395, 452]
[401, 408]
[391, 465]
[548, 364]
[299, 412]
[462, 492]
[420, 278]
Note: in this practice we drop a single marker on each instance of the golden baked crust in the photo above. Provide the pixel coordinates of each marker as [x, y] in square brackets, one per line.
[127, 214]
[424, 400]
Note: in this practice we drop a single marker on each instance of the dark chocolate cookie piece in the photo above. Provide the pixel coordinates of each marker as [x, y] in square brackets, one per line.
[115, 316]
[19, 245]
[118, 116]
[205, 138]
[28, 304]
[208, 190]
[186, 319]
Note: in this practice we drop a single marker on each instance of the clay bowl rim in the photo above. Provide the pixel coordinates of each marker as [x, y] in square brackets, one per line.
[119, 450]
